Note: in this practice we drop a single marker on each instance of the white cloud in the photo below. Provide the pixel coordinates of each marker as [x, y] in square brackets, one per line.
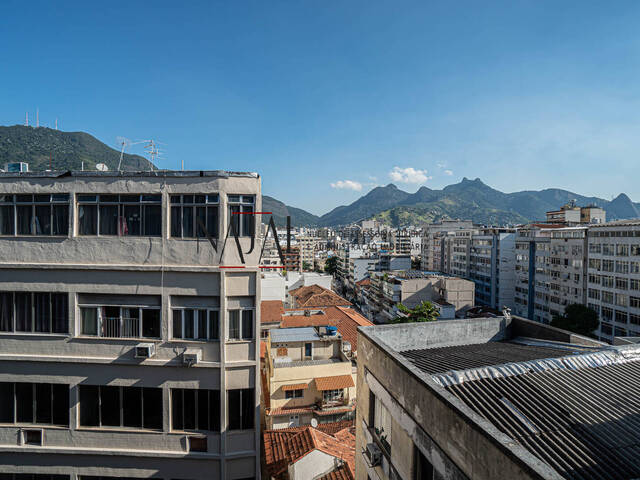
[441, 165]
[347, 185]
[448, 172]
[409, 175]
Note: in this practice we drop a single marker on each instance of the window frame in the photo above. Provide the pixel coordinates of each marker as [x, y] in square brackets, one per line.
[123, 201]
[244, 204]
[196, 324]
[63, 387]
[100, 325]
[32, 314]
[241, 330]
[211, 202]
[213, 425]
[11, 200]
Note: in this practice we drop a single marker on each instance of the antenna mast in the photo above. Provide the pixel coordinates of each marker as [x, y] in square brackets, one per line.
[37, 117]
[27, 120]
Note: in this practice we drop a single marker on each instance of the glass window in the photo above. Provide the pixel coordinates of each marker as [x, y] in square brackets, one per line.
[34, 403]
[131, 407]
[240, 325]
[195, 409]
[44, 215]
[241, 217]
[195, 324]
[194, 216]
[41, 312]
[114, 321]
[241, 409]
[124, 215]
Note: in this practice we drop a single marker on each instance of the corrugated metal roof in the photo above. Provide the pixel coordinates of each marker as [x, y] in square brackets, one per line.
[462, 357]
[302, 334]
[583, 422]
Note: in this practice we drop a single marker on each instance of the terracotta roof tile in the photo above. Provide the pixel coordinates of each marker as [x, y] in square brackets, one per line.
[274, 412]
[334, 383]
[285, 446]
[297, 386]
[317, 296]
[271, 311]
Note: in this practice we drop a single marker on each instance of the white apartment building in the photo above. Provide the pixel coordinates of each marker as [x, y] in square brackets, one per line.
[430, 233]
[307, 245]
[567, 268]
[127, 328]
[614, 277]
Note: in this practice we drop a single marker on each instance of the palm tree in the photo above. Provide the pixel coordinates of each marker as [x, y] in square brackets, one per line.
[424, 312]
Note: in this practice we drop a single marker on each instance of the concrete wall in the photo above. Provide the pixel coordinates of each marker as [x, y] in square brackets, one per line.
[312, 465]
[175, 271]
[458, 443]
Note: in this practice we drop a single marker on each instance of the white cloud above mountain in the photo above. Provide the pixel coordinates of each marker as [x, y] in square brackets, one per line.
[347, 185]
[409, 175]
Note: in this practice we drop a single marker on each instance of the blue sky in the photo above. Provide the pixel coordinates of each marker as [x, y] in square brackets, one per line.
[327, 99]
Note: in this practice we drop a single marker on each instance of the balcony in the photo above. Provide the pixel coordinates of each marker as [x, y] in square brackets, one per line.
[120, 327]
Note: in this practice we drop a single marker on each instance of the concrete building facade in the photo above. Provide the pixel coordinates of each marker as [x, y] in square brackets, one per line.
[127, 348]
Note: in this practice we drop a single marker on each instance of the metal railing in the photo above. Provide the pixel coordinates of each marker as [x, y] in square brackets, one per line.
[120, 327]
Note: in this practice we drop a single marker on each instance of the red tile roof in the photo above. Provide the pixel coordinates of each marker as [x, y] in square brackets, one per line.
[334, 383]
[297, 386]
[346, 319]
[271, 311]
[317, 296]
[286, 446]
[274, 412]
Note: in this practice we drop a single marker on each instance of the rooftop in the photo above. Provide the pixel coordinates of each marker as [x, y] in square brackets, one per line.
[568, 400]
[302, 334]
[154, 173]
[317, 296]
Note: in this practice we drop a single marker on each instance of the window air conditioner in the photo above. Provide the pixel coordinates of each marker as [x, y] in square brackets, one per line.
[373, 454]
[145, 350]
[191, 356]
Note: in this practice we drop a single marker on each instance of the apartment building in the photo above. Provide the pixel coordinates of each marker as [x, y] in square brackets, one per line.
[531, 295]
[127, 327]
[492, 267]
[571, 214]
[461, 253]
[567, 268]
[430, 233]
[388, 289]
[307, 247]
[613, 277]
[309, 378]
[493, 398]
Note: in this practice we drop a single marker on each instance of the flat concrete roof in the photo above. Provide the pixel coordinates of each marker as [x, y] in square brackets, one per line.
[141, 173]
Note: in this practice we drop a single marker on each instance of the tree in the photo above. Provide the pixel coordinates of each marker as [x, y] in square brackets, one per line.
[578, 319]
[331, 265]
[306, 266]
[425, 312]
[415, 264]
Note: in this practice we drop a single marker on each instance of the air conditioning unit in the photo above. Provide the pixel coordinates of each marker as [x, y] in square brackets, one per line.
[373, 454]
[197, 443]
[145, 350]
[32, 436]
[191, 356]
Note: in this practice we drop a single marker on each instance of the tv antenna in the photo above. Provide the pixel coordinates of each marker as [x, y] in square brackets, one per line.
[154, 152]
[124, 143]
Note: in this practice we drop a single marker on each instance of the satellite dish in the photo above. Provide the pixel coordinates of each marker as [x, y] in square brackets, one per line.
[102, 167]
[314, 423]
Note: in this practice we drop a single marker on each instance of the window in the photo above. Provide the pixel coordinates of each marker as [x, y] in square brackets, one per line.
[634, 302]
[34, 403]
[195, 409]
[380, 420]
[607, 297]
[634, 284]
[240, 325]
[607, 265]
[308, 350]
[190, 212]
[241, 408]
[46, 215]
[241, 208]
[288, 394]
[196, 323]
[622, 267]
[34, 312]
[622, 283]
[120, 322]
[122, 215]
[622, 250]
[332, 396]
[621, 300]
[606, 313]
[131, 407]
[423, 469]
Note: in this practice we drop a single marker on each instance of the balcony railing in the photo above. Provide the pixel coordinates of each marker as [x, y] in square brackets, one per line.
[120, 327]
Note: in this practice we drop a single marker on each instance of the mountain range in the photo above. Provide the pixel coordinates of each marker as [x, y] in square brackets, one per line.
[469, 199]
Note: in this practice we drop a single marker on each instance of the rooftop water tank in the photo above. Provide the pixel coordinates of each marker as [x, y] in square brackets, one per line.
[331, 331]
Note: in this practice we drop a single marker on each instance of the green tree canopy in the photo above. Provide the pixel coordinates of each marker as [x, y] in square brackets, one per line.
[578, 319]
[424, 312]
[331, 265]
